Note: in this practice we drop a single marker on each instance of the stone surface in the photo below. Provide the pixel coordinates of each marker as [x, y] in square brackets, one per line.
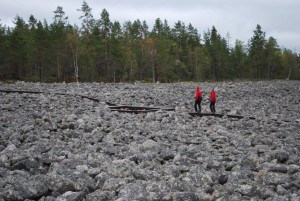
[65, 147]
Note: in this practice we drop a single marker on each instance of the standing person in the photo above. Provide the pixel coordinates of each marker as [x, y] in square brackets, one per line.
[198, 99]
[212, 100]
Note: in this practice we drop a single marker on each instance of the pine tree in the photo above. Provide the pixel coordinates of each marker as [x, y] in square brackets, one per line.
[105, 31]
[257, 51]
[218, 52]
[238, 61]
[4, 56]
[88, 48]
[17, 50]
[116, 51]
[273, 55]
[58, 33]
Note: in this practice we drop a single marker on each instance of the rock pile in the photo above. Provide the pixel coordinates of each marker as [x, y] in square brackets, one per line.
[64, 147]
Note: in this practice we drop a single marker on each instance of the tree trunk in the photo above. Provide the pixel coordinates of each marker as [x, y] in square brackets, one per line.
[288, 78]
[58, 66]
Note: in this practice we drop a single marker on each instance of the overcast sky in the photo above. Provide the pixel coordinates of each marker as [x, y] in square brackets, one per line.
[278, 18]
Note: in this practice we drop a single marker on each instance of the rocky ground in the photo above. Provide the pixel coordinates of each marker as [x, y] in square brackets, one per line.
[65, 147]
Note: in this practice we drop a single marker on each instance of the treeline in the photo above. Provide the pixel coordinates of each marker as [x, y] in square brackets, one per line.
[101, 50]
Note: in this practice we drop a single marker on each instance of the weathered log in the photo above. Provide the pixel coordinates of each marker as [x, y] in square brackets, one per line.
[132, 107]
[235, 116]
[206, 114]
[116, 107]
[239, 116]
[110, 104]
[21, 91]
[219, 115]
[135, 111]
[90, 98]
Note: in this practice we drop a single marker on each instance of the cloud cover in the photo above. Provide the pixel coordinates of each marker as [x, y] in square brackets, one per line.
[277, 18]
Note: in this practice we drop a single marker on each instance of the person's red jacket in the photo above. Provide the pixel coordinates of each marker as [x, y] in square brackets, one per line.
[213, 96]
[198, 94]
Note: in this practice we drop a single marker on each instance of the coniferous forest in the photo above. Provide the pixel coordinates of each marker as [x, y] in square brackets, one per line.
[104, 51]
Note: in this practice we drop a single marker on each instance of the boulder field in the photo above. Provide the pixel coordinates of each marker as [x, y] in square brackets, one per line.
[58, 145]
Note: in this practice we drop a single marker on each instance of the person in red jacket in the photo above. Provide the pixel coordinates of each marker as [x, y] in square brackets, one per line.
[212, 100]
[198, 99]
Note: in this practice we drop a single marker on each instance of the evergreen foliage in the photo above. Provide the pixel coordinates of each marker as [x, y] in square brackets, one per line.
[101, 50]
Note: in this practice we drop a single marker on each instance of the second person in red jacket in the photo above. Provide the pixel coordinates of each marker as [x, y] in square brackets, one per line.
[212, 100]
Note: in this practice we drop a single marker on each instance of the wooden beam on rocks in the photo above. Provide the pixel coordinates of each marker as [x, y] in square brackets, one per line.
[134, 111]
[132, 107]
[219, 115]
[21, 91]
[238, 116]
[235, 116]
[138, 109]
[90, 98]
[206, 114]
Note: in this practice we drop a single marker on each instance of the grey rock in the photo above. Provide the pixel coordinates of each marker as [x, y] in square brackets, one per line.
[281, 156]
[71, 196]
[222, 179]
[27, 164]
[2, 147]
[120, 168]
[281, 190]
[101, 195]
[34, 188]
[64, 147]
[274, 167]
[59, 183]
[271, 178]
[133, 192]
[195, 196]
[113, 184]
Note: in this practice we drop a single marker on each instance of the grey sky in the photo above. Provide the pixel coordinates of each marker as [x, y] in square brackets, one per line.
[278, 18]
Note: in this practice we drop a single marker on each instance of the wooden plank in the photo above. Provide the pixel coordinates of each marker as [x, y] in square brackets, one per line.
[235, 116]
[219, 115]
[239, 116]
[132, 107]
[110, 104]
[134, 111]
[138, 107]
[21, 91]
[90, 98]
[206, 114]
[168, 109]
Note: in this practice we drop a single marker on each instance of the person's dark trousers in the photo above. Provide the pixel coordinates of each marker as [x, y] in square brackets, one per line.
[198, 103]
[212, 107]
